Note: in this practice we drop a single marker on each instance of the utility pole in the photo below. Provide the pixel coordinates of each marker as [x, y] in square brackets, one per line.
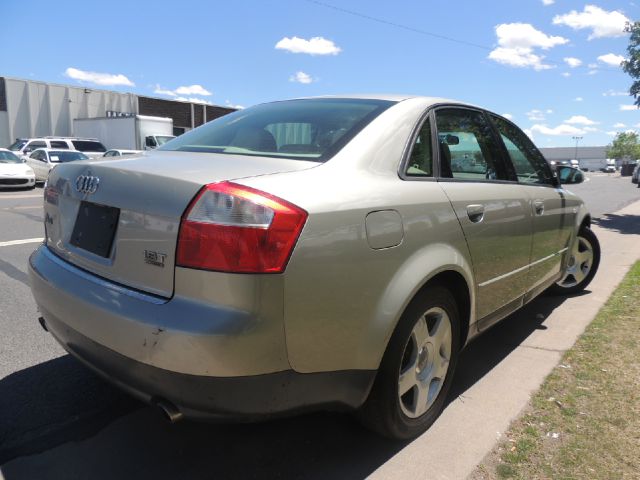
[577, 139]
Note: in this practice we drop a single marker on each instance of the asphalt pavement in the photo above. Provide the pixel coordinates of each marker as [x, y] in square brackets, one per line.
[59, 420]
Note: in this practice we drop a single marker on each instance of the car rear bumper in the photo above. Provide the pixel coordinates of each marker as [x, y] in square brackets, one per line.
[207, 360]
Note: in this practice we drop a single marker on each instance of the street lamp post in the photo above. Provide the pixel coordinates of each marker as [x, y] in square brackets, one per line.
[577, 139]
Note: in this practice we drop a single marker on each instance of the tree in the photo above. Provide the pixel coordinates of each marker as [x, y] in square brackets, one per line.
[632, 64]
[624, 146]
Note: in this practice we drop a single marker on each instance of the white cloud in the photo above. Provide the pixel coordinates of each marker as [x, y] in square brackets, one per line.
[535, 115]
[601, 22]
[614, 93]
[194, 100]
[231, 105]
[593, 72]
[549, 111]
[566, 74]
[192, 90]
[626, 108]
[516, 43]
[578, 99]
[508, 116]
[590, 129]
[313, 46]
[611, 59]
[524, 35]
[573, 62]
[559, 130]
[518, 57]
[161, 91]
[105, 79]
[529, 133]
[612, 133]
[301, 77]
[619, 125]
[580, 120]
[185, 90]
[546, 3]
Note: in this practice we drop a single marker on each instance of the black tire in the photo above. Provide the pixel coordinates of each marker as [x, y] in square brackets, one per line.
[382, 411]
[590, 237]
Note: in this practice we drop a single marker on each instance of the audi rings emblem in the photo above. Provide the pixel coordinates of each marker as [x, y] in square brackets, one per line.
[87, 184]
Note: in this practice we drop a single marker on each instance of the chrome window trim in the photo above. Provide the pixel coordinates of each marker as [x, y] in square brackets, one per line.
[521, 269]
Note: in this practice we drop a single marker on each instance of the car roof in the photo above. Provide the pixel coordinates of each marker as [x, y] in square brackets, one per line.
[394, 98]
[57, 150]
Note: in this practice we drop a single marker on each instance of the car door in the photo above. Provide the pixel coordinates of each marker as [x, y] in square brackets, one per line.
[34, 162]
[494, 214]
[553, 218]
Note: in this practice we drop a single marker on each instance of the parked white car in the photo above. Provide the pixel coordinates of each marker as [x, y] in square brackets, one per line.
[13, 172]
[43, 160]
[116, 152]
[89, 146]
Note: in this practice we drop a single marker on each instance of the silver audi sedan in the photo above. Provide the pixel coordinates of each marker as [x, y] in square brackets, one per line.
[320, 253]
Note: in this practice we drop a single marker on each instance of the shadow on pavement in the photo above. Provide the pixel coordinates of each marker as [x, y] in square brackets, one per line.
[59, 402]
[627, 224]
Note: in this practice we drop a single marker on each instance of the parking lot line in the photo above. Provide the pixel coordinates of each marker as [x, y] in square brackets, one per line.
[33, 207]
[21, 242]
[11, 197]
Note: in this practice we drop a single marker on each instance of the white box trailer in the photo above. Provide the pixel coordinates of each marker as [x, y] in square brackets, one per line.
[136, 132]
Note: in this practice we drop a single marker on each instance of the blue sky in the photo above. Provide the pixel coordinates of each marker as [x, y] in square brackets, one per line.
[550, 64]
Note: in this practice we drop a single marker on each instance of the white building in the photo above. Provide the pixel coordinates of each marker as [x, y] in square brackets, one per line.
[36, 109]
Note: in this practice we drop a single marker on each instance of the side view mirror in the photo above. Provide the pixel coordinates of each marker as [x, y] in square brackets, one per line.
[569, 175]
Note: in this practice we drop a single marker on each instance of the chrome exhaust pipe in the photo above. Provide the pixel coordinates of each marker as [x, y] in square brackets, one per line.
[168, 409]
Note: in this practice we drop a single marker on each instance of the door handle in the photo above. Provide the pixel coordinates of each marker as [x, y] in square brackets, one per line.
[475, 212]
[538, 207]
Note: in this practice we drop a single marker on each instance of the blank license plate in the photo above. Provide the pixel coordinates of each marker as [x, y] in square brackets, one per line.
[95, 228]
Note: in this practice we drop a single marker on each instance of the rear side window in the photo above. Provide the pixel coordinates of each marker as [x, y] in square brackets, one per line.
[529, 164]
[59, 144]
[468, 150]
[88, 146]
[421, 160]
[308, 129]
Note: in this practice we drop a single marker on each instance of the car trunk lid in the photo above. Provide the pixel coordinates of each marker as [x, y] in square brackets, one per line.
[119, 219]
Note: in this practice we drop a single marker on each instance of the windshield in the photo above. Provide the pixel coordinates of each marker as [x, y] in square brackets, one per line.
[17, 145]
[162, 139]
[309, 129]
[62, 156]
[8, 157]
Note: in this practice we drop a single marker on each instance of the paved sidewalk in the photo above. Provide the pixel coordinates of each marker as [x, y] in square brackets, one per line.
[472, 424]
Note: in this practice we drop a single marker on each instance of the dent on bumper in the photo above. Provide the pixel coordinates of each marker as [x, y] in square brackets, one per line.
[180, 334]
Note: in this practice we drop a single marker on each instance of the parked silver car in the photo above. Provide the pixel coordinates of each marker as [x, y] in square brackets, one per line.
[333, 252]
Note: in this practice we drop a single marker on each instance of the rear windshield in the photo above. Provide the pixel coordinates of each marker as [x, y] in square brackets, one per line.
[309, 129]
[8, 157]
[88, 146]
[62, 156]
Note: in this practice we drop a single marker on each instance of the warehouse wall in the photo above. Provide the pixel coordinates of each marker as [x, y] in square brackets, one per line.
[33, 109]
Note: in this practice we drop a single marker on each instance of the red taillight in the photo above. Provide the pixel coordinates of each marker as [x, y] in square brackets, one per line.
[233, 228]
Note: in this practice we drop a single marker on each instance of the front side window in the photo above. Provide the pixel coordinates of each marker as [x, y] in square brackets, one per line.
[35, 144]
[59, 144]
[421, 160]
[88, 146]
[467, 147]
[307, 129]
[529, 164]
